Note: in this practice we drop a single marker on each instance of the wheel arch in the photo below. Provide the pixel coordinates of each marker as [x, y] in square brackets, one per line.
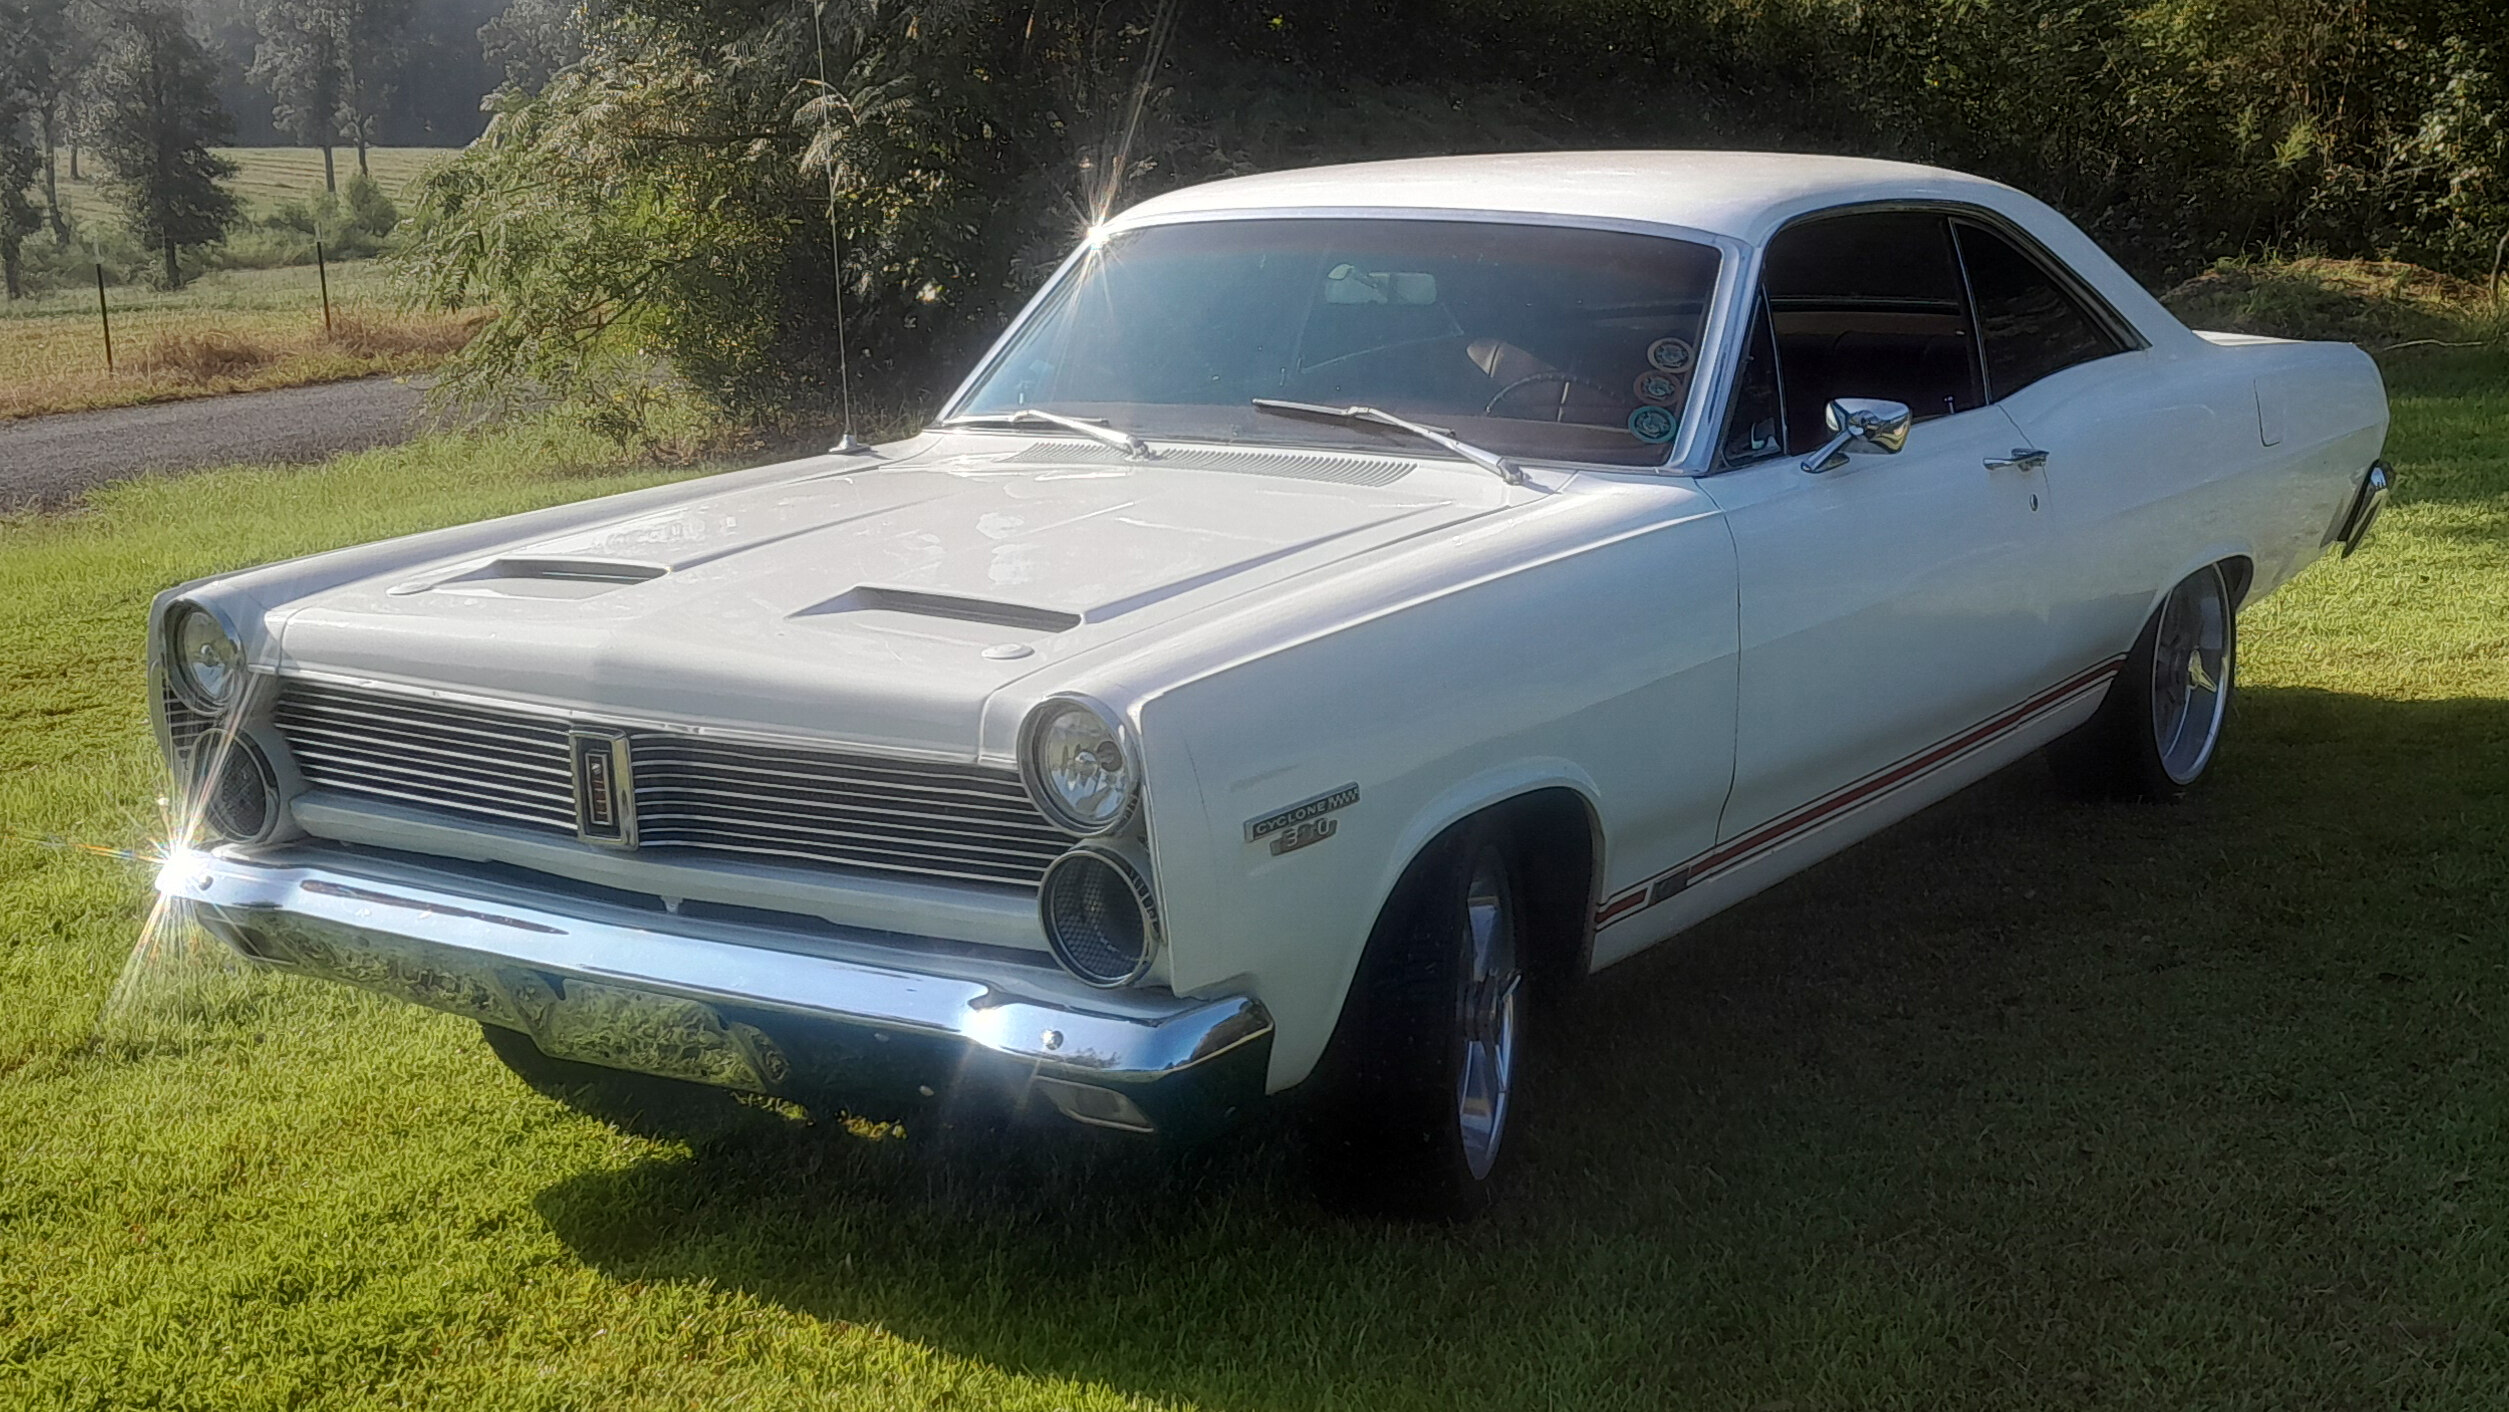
[1555, 832]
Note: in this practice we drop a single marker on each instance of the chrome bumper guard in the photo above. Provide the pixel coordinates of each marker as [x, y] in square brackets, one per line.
[2363, 510]
[719, 1003]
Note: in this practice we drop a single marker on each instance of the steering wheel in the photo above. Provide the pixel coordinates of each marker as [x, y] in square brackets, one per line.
[1566, 381]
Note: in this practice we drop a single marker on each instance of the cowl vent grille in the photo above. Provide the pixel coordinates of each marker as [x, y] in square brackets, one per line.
[1292, 465]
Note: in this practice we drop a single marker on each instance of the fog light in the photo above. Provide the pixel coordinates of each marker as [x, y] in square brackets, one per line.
[1099, 915]
[238, 794]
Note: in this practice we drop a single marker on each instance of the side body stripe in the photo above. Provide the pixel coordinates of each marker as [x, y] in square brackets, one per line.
[1797, 822]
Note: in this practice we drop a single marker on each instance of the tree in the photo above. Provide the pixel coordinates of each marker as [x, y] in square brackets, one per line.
[328, 66]
[159, 116]
[297, 62]
[533, 39]
[18, 159]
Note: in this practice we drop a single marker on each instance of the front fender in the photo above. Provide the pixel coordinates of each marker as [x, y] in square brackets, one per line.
[1608, 671]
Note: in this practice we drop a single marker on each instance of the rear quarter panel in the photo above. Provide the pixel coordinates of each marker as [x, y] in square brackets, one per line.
[2164, 461]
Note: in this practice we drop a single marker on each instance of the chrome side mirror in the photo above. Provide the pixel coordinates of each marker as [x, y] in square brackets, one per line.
[1861, 424]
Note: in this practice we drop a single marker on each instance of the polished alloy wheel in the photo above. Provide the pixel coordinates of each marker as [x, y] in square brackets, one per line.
[1486, 1022]
[2191, 665]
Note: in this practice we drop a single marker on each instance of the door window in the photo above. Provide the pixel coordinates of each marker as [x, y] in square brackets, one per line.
[2030, 326]
[1869, 304]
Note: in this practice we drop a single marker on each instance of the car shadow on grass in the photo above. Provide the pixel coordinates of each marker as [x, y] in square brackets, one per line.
[2027, 1102]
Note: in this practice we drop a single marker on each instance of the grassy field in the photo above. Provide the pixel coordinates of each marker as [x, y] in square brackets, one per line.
[2028, 1104]
[270, 175]
[228, 331]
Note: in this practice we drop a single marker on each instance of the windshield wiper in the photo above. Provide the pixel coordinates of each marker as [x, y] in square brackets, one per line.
[1123, 441]
[1489, 460]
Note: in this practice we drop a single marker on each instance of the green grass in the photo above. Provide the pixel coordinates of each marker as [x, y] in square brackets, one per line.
[268, 175]
[2028, 1103]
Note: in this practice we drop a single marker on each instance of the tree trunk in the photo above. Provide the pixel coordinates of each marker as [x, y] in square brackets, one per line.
[52, 180]
[73, 159]
[174, 276]
[8, 271]
[361, 146]
[330, 182]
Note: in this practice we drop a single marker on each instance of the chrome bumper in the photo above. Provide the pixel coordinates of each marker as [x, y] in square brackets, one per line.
[723, 1003]
[2362, 511]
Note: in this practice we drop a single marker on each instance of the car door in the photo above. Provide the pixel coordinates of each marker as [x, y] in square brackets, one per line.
[2132, 492]
[1890, 608]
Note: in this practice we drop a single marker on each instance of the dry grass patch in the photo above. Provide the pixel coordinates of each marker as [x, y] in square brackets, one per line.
[203, 357]
[241, 331]
[364, 335]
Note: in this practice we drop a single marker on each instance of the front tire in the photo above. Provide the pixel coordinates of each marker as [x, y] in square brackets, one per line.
[2160, 727]
[1431, 1040]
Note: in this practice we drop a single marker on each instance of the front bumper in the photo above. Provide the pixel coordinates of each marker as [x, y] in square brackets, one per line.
[732, 1003]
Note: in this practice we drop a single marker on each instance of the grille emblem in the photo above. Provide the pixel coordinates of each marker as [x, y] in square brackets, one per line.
[605, 788]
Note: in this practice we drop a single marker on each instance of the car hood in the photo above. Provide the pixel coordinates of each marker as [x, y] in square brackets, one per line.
[879, 605]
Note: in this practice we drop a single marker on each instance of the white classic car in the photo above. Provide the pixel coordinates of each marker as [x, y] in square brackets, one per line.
[1345, 604]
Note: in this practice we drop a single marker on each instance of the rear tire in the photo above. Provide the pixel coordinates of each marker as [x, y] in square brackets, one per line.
[1426, 1062]
[642, 1104]
[2159, 729]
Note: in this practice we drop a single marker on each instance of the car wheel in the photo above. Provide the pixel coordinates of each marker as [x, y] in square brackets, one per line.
[1431, 1042]
[2161, 725]
[642, 1104]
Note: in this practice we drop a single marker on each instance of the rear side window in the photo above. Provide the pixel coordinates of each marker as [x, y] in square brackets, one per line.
[2030, 325]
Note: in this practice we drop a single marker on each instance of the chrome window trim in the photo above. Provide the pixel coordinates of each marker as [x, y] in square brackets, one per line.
[1715, 342]
[2094, 303]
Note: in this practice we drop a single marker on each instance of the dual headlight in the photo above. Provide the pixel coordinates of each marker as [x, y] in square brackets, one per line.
[232, 786]
[205, 660]
[1083, 769]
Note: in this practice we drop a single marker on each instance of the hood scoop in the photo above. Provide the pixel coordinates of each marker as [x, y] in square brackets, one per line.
[947, 607]
[1292, 465]
[542, 577]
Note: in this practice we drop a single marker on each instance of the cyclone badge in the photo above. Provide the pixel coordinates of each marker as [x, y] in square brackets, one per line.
[1655, 424]
[1658, 389]
[1670, 355]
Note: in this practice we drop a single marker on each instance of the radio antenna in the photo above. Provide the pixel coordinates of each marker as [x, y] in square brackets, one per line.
[845, 445]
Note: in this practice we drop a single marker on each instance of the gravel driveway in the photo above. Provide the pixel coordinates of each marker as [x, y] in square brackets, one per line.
[47, 462]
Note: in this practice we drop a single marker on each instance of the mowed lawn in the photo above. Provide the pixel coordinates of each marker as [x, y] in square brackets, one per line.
[2030, 1103]
[267, 176]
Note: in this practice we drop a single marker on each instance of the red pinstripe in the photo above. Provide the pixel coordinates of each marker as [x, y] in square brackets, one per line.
[1796, 822]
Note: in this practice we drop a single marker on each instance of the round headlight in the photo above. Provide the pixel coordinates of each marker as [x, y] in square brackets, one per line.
[238, 794]
[207, 663]
[1099, 915]
[1080, 767]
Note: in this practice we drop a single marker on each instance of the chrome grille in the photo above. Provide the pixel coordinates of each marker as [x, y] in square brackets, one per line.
[693, 793]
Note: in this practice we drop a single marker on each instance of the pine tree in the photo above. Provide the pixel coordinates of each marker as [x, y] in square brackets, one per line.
[157, 91]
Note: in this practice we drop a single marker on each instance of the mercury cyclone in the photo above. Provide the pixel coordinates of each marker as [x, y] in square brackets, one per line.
[1346, 606]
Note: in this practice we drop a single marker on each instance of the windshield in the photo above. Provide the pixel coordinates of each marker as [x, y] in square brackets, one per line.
[1537, 341]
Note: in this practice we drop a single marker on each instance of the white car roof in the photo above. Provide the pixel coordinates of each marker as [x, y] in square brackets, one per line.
[1744, 195]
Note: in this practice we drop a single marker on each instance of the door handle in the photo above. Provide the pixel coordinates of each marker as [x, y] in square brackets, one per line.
[2024, 458]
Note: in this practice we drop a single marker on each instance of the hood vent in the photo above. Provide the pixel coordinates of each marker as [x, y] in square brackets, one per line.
[942, 605]
[553, 577]
[1290, 465]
